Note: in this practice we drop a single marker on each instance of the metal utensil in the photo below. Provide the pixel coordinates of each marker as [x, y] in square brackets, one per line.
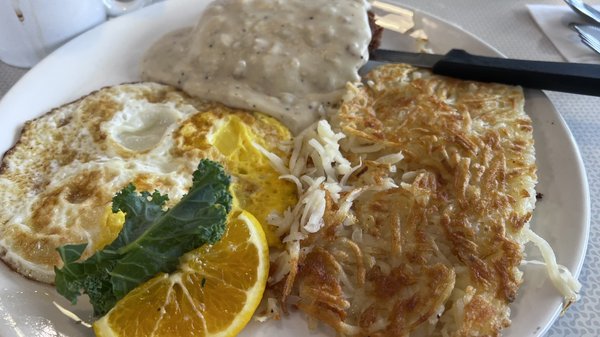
[590, 35]
[592, 43]
[585, 10]
[578, 78]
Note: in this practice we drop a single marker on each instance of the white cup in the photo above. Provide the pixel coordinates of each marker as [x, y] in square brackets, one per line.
[32, 29]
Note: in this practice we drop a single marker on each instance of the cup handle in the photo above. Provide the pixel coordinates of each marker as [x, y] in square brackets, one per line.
[120, 7]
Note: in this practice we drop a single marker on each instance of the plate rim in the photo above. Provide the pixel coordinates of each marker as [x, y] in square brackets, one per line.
[572, 142]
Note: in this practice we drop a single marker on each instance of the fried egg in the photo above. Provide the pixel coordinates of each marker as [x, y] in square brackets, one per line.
[57, 182]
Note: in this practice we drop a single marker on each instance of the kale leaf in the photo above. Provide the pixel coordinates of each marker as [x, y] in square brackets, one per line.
[151, 241]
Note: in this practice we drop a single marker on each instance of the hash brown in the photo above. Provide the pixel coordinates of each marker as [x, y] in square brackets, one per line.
[439, 254]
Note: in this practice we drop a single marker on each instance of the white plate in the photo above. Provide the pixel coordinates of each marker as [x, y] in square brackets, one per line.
[110, 54]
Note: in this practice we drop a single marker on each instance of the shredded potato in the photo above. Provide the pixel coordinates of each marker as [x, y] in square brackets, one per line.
[413, 210]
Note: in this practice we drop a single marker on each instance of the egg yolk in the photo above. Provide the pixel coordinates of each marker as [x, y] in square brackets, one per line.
[257, 187]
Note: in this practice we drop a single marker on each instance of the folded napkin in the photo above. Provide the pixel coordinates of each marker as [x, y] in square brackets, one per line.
[554, 21]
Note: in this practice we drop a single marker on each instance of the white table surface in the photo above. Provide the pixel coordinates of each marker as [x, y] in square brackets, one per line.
[507, 26]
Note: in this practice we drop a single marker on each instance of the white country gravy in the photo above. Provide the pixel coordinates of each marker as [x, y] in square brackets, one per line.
[288, 58]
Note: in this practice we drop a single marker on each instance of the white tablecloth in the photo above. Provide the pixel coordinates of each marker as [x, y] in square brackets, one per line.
[507, 26]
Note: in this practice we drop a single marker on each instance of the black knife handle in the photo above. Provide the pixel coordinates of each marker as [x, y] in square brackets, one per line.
[575, 78]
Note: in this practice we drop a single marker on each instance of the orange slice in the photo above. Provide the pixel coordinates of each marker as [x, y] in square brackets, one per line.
[214, 292]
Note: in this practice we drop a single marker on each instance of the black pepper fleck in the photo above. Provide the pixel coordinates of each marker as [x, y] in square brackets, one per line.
[539, 196]
[20, 15]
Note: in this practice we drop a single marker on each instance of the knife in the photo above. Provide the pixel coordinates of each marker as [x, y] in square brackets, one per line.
[577, 78]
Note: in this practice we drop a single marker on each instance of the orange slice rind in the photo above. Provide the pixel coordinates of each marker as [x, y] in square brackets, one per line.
[214, 292]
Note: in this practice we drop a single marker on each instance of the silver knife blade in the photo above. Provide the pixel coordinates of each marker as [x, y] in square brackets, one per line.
[416, 59]
[590, 30]
[586, 11]
[382, 56]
